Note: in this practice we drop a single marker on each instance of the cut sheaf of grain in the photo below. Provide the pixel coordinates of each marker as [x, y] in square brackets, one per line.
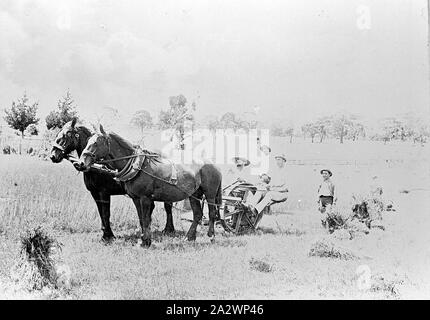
[326, 248]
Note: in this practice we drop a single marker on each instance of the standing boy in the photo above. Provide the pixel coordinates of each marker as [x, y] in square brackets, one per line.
[326, 191]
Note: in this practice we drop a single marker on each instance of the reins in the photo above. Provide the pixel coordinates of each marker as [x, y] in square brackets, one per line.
[127, 157]
[134, 155]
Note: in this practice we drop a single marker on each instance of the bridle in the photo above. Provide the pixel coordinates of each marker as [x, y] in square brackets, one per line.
[62, 148]
[93, 156]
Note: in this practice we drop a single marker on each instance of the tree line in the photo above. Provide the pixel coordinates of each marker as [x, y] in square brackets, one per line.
[348, 127]
[22, 116]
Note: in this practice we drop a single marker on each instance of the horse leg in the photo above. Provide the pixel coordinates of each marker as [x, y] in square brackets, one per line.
[144, 208]
[213, 203]
[169, 228]
[103, 205]
[197, 215]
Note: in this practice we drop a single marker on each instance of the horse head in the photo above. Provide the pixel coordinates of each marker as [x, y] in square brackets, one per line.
[98, 147]
[66, 141]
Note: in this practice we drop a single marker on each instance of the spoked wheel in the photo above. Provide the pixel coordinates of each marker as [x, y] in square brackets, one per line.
[234, 216]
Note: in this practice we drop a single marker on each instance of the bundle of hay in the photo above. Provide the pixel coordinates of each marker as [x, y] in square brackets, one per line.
[260, 265]
[36, 268]
[368, 209]
[326, 248]
[336, 217]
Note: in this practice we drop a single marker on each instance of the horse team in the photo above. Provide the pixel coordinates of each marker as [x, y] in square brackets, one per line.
[151, 183]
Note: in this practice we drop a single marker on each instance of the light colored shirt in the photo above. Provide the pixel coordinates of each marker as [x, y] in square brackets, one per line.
[326, 188]
[278, 181]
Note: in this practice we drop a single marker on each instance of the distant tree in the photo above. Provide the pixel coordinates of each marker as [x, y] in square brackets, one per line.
[392, 129]
[322, 126]
[290, 133]
[248, 121]
[66, 111]
[213, 124]
[176, 117]
[310, 129]
[32, 130]
[356, 130]
[341, 125]
[142, 119]
[22, 114]
[230, 120]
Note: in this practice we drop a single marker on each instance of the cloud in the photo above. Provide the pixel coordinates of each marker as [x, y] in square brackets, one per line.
[280, 55]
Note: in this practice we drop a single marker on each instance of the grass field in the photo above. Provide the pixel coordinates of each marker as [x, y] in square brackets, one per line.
[272, 263]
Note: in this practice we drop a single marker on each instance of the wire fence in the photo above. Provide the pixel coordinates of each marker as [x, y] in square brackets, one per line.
[17, 143]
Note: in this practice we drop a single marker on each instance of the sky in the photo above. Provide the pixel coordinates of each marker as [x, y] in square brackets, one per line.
[291, 60]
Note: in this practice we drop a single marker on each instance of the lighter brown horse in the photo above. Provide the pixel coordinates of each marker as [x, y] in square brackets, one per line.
[153, 181]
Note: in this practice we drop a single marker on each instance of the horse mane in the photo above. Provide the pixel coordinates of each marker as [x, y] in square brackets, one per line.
[84, 129]
[121, 141]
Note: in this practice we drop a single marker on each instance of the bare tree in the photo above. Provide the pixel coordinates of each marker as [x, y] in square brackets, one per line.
[176, 117]
[310, 129]
[322, 125]
[341, 124]
[142, 119]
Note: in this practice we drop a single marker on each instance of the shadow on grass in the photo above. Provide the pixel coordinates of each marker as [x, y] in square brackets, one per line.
[156, 236]
[280, 231]
[184, 245]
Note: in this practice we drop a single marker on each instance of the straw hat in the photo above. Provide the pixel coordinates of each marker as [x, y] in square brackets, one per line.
[241, 161]
[265, 147]
[282, 156]
[326, 170]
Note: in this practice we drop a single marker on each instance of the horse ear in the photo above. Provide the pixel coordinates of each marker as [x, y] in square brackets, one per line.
[74, 122]
[102, 131]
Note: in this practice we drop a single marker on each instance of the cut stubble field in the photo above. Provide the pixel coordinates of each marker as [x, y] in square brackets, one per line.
[272, 263]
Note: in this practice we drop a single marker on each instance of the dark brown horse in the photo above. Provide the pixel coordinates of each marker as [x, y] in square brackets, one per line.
[154, 181]
[101, 185]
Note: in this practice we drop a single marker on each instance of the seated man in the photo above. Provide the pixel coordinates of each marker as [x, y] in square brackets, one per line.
[238, 174]
[274, 191]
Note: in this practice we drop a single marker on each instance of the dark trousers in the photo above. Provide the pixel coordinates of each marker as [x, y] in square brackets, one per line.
[325, 200]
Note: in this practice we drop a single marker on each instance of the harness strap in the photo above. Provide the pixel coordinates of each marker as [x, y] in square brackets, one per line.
[128, 157]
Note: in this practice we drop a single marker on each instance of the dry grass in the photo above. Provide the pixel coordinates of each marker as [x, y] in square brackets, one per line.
[326, 248]
[273, 262]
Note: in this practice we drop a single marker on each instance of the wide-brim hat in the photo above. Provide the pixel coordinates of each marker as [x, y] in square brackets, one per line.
[265, 147]
[241, 160]
[327, 170]
[281, 156]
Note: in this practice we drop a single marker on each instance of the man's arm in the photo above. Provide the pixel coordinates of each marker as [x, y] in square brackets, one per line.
[333, 192]
[279, 187]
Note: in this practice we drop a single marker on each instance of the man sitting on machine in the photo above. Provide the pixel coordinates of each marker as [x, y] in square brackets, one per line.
[274, 188]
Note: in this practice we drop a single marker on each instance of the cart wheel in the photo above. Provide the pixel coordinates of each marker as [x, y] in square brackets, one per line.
[232, 218]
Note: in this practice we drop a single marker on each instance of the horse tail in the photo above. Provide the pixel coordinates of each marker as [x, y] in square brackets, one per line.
[218, 199]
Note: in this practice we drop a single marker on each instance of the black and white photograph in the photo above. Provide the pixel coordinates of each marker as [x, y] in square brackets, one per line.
[230, 151]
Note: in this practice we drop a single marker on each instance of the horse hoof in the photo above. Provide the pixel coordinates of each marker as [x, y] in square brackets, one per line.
[107, 240]
[191, 238]
[212, 239]
[168, 232]
[145, 243]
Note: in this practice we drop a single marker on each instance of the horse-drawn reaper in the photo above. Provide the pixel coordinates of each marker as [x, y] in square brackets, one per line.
[149, 177]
